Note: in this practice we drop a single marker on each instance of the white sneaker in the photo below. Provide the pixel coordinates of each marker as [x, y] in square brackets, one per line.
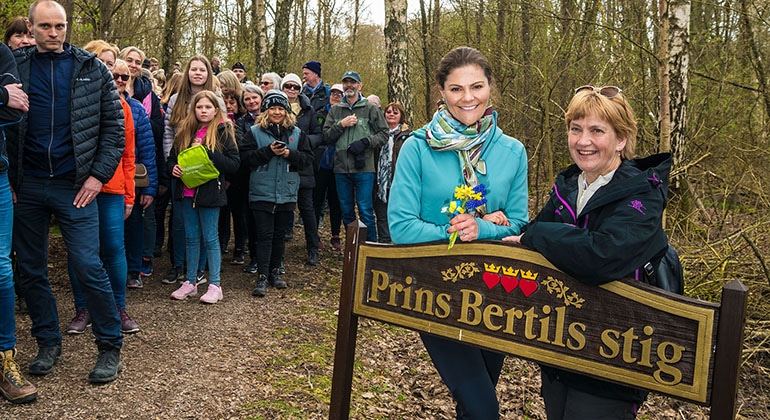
[213, 294]
[185, 290]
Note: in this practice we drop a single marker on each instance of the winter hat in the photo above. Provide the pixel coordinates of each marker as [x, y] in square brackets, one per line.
[275, 97]
[238, 65]
[313, 66]
[291, 77]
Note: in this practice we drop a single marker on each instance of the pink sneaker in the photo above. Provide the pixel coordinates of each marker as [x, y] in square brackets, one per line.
[185, 290]
[213, 294]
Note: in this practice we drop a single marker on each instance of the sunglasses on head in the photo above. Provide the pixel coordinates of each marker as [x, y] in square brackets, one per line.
[123, 77]
[292, 87]
[608, 92]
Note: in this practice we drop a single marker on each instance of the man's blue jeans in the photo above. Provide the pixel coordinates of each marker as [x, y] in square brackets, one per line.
[356, 189]
[112, 250]
[7, 319]
[201, 230]
[37, 199]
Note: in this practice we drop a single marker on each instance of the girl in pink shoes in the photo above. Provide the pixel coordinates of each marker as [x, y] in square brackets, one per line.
[206, 125]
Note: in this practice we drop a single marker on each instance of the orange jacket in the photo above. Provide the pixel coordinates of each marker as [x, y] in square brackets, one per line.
[123, 180]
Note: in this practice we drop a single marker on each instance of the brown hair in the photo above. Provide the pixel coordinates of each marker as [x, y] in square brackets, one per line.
[179, 112]
[461, 57]
[171, 87]
[616, 111]
[17, 26]
[400, 109]
[190, 125]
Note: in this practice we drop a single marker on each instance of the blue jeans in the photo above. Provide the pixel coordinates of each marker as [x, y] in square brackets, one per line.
[356, 189]
[201, 225]
[7, 317]
[37, 199]
[177, 234]
[112, 250]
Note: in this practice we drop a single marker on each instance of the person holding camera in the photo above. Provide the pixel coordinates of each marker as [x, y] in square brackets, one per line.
[275, 153]
[356, 127]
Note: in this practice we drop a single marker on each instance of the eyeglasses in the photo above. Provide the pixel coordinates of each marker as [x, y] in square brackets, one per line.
[123, 77]
[264, 83]
[608, 92]
[292, 87]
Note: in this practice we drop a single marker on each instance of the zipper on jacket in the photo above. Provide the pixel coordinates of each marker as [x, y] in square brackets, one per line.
[50, 140]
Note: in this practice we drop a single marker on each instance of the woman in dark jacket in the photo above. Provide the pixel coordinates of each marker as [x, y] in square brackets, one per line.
[276, 154]
[308, 123]
[603, 221]
[385, 165]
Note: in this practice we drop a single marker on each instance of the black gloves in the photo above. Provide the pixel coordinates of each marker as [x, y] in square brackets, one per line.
[357, 147]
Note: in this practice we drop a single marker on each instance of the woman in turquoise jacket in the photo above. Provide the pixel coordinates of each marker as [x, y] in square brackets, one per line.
[462, 145]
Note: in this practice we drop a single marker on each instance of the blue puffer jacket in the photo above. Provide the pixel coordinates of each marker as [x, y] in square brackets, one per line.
[145, 146]
[96, 118]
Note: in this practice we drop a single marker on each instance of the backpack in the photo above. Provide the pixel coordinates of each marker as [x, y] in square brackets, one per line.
[667, 274]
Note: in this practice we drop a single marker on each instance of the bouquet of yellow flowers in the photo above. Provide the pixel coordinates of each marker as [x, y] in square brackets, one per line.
[466, 199]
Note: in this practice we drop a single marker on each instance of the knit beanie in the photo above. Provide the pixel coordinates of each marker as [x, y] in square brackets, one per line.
[275, 97]
[313, 66]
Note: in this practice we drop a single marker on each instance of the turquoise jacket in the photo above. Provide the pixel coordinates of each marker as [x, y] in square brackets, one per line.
[425, 181]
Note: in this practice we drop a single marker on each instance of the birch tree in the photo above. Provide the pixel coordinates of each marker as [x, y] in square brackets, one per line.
[399, 88]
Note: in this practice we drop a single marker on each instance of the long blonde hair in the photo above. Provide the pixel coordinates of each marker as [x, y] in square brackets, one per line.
[190, 125]
[172, 86]
[179, 112]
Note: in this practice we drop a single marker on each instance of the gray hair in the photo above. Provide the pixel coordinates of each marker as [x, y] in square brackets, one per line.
[252, 88]
[275, 77]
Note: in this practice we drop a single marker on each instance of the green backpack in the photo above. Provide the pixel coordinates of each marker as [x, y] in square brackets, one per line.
[197, 168]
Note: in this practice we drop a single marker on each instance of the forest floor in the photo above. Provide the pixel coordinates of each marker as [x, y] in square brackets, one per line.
[272, 358]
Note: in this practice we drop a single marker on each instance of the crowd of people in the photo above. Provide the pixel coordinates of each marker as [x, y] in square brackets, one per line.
[128, 162]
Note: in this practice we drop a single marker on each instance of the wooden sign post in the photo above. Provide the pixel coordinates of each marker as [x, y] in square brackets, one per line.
[506, 298]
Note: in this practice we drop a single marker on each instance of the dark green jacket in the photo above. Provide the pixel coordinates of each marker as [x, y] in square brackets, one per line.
[371, 124]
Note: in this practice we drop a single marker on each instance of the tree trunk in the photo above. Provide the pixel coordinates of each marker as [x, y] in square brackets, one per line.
[678, 63]
[105, 18]
[169, 31]
[663, 78]
[281, 42]
[426, 61]
[399, 88]
[260, 36]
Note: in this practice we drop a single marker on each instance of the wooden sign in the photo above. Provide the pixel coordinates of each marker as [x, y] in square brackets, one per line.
[506, 298]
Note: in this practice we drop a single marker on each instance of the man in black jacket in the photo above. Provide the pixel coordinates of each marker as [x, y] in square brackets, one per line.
[60, 155]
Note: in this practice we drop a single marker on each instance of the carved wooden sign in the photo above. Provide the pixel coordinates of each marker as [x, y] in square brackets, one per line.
[509, 299]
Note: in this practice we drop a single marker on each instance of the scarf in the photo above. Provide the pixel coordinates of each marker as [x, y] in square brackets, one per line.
[445, 133]
[385, 166]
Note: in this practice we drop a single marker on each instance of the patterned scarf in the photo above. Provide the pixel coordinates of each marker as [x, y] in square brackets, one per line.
[445, 133]
[385, 166]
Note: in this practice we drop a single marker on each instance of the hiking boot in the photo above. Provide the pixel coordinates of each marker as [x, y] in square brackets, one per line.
[173, 275]
[312, 258]
[134, 281]
[281, 269]
[200, 277]
[237, 257]
[261, 288]
[46, 357]
[251, 268]
[13, 385]
[127, 325]
[213, 294]
[185, 290]
[80, 322]
[146, 270]
[107, 366]
[276, 280]
[336, 242]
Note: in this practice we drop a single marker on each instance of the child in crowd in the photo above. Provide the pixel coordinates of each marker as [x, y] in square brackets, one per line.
[205, 125]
